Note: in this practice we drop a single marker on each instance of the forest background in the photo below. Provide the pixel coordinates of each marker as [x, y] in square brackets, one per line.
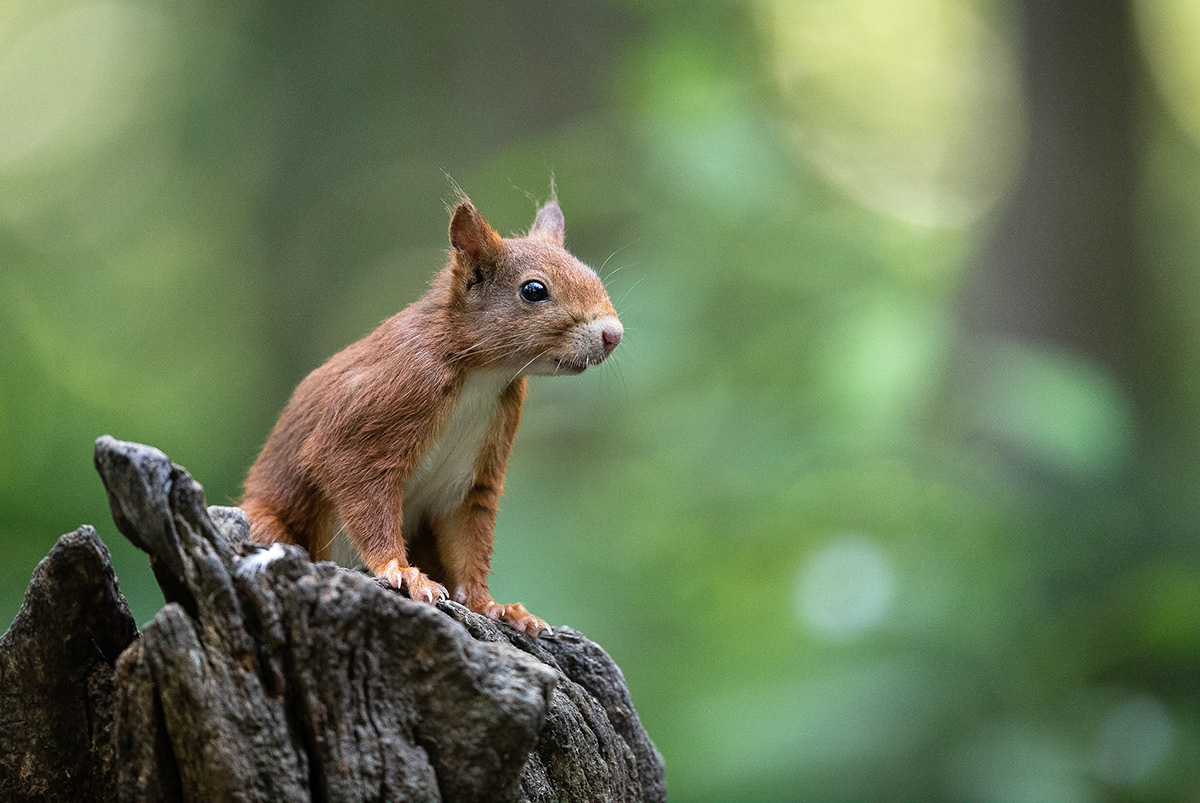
[893, 488]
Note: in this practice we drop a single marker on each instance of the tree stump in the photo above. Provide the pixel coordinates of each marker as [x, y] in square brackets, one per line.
[269, 677]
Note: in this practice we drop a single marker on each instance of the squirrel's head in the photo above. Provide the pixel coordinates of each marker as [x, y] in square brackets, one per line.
[525, 303]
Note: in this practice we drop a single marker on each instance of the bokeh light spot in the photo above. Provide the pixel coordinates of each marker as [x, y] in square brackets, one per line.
[1169, 30]
[911, 107]
[846, 587]
[883, 357]
[73, 78]
[1059, 408]
[1134, 739]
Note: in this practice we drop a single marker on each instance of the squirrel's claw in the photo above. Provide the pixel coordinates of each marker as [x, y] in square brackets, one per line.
[420, 588]
[517, 617]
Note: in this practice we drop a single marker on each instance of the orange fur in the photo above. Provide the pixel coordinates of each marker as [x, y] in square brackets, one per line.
[425, 410]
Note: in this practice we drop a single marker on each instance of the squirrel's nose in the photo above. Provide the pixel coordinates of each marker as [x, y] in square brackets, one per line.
[611, 335]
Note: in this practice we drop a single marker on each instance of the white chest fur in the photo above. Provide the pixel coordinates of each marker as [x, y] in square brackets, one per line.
[447, 470]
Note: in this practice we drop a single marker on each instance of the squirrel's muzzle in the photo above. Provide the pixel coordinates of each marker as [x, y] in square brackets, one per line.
[610, 335]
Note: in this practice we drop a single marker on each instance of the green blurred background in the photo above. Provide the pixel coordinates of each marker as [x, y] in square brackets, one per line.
[893, 489]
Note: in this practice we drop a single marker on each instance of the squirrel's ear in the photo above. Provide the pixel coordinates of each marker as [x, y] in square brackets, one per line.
[471, 235]
[548, 225]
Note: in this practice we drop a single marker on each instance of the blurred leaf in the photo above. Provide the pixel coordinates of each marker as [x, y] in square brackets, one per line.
[1061, 411]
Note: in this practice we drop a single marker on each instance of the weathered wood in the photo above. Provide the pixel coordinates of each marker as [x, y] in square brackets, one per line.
[269, 677]
[56, 677]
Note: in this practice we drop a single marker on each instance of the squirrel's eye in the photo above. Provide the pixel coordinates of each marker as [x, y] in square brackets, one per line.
[534, 291]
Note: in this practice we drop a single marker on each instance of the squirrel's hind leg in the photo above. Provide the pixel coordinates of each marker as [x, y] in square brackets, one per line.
[265, 526]
[308, 524]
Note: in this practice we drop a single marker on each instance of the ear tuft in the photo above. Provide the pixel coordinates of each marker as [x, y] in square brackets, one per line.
[471, 235]
[549, 224]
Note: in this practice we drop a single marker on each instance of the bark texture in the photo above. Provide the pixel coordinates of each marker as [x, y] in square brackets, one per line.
[269, 677]
[57, 665]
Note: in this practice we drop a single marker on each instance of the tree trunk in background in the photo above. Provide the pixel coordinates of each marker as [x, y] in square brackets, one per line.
[1063, 268]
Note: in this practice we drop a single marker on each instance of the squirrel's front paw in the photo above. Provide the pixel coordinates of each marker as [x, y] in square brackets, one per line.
[420, 588]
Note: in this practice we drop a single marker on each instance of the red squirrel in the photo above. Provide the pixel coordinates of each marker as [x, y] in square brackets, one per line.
[405, 434]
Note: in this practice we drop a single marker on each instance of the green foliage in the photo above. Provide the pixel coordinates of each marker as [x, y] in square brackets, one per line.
[842, 545]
